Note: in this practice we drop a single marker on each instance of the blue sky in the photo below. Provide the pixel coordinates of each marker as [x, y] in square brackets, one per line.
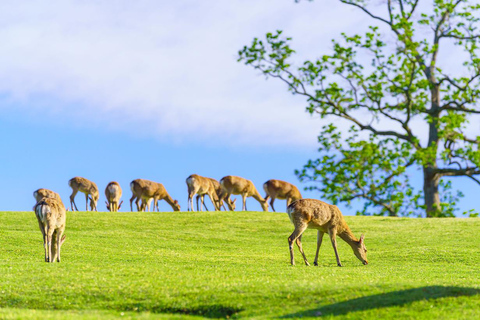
[149, 89]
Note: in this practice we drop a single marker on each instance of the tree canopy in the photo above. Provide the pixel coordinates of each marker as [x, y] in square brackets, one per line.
[406, 107]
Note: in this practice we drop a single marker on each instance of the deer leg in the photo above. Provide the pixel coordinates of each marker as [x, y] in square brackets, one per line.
[54, 246]
[333, 237]
[137, 202]
[49, 245]
[86, 200]
[197, 198]
[244, 200]
[202, 197]
[293, 237]
[59, 243]
[131, 202]
[45, 241]
[72, 200]
[319, 243]
[271, 203]
[299, 245]
[189, 202]
[215, 206]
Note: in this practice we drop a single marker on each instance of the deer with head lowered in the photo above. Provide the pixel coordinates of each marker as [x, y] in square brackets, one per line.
[326, 218]
[201, 186]
[146, 190]
[221, 198]
[245, 188]
[113, 192]
[51, 216]
[87, 187]
[278, 189]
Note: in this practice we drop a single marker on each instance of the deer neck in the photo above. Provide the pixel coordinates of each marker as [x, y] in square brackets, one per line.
[347, 236]
[169, 200]
[257, 196]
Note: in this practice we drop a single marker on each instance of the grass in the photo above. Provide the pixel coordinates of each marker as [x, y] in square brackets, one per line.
[236, 265]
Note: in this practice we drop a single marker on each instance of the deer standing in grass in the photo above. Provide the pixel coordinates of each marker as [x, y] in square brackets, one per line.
[278, 189]
[246, 188]
[146, 190]
[41, 193]
[87, 187]
[221, 198]
[201, 186]
[51, 216]
[326, 218]
[113, 192]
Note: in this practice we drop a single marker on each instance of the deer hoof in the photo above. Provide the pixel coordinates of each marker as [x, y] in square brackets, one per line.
[340, 265]
[315, 264]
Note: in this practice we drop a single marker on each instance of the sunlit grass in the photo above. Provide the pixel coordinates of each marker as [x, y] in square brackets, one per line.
[236, 264]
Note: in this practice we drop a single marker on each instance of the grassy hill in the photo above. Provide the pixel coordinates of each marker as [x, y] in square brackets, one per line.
[236, 264]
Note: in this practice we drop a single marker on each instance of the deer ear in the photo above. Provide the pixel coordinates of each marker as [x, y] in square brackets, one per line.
[234, 201]
[175, 201]
[362, 237]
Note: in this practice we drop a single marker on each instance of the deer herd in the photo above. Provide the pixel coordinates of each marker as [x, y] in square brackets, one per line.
[303, 213]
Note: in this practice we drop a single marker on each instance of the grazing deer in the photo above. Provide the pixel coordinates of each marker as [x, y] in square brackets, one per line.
[113, 192]
[220, 193]
[88, 188]
[41, 193]
[326, 218]
[146, 190]
[282, 190]
[246, 188]
[202, 186]
[51, 216]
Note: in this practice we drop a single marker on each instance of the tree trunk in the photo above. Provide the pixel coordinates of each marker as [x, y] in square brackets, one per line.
[430, 189]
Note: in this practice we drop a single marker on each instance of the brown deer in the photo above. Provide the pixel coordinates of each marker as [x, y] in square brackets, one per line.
[41, 193]
[145, 190]
[201, 186]
[113, 192]
[51, 216]
[246, 188]
[221, 199]
[88, 188]
[278, 189]
[326, 218]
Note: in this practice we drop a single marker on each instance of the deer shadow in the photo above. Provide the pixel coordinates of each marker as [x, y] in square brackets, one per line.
[385, 300]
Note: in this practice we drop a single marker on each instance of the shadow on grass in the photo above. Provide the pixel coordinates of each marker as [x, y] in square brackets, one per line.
[214, 311]
[385, 300]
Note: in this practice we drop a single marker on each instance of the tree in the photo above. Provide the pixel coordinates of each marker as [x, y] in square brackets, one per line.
[418, 110]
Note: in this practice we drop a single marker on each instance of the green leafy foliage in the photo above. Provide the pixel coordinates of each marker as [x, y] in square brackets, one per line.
[388, 82]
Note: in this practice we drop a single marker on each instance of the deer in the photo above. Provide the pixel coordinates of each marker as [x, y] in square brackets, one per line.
[201, 186]
[41, 193]
[51, 216]
[278, 189]
[221, 198]
[113, 192]
[246, 188]
[326, 218]
[146, 190]
[87, 187]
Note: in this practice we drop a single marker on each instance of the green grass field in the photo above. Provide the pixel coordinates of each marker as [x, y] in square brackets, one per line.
[236, 265]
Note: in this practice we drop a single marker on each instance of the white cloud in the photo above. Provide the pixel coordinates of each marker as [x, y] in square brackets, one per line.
[165, 69]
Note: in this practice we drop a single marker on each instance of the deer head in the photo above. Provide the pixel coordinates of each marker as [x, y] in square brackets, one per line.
[360, 250]
[176, 205]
